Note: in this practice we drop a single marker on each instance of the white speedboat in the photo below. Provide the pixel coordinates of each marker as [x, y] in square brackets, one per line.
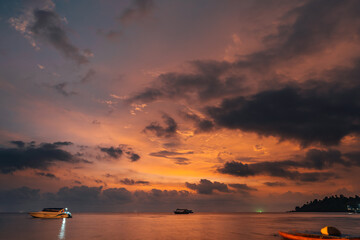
[52, 213]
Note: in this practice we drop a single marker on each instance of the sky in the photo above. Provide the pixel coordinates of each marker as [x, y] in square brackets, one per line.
[153, 105]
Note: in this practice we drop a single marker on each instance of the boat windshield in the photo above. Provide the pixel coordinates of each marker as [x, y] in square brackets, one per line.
[52, 209]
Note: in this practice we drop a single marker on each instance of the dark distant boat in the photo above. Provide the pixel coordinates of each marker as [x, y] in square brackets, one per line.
[182, 211]
[52, 213]
[304, 236]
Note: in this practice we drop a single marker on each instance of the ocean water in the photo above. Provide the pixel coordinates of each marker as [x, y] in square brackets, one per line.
[149, 226]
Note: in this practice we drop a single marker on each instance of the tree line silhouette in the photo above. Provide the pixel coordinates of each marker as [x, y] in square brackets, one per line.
[329, 204]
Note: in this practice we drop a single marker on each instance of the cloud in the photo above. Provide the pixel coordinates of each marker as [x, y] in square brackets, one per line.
[257, 96]
[19, 195]
[60, 88]
[128, 181]
[181, 160]
[274, 169]
[39, 21]
[318, 115]
[173, 155]
[63, 143]
[48, 26]
[314, 29]
[112, 152]
[110, 35]
[303, 31]
[321, 159]
[48, 175]
[314, 159]
[275, 184]
[117, 195]
[160, 131]
[137, 10]
[19, 144]
[209, 81]
[94, 199]
[207, 187]
[34, 156]
[158, 195]
[167, 154]
[242, 188]
[201, 124]
[117, 152]
[88, 76]
[79, 194]
[132, 156]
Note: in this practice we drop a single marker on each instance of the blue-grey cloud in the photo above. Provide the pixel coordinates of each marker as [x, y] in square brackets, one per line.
[137, 10]
[128, 181]
[34, 156]
[314, 159]
[168, 131]
[207, 187]
[48, 27]
[117, 152]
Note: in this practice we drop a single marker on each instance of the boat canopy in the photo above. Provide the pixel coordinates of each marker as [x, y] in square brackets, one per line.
[52, 209]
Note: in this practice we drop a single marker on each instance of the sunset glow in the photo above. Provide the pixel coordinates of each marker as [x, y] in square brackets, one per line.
[151, 105]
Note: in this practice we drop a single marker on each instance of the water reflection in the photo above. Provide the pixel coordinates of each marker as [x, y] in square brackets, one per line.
[62, 229]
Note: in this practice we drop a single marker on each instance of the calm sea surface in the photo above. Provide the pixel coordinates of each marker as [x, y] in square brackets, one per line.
[247, 226]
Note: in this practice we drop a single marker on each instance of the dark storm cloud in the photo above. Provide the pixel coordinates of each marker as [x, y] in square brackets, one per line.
[34, 157]
[117, 152]
[19, 144]
[112, 152]
[274, 169]
[207, 82]
[201, 124]
[167, 154]
[132, 156]
[241, 187]
[117, 195]
[275, 184]
[207, 187]
[174, 156]
[48, 27]
[19, 195]
[320, 159]
[316, 25]
[317, 115]
[321, 110]
[157, 194]
[97, 199]
[48, 175]
[128, 181]
[63, 143]
[168, 131]
[314, 159]
[79, 194]
[137, 10]
[353, 157]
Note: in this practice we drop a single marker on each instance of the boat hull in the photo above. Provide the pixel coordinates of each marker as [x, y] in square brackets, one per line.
[49, 215]
[303, 236]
